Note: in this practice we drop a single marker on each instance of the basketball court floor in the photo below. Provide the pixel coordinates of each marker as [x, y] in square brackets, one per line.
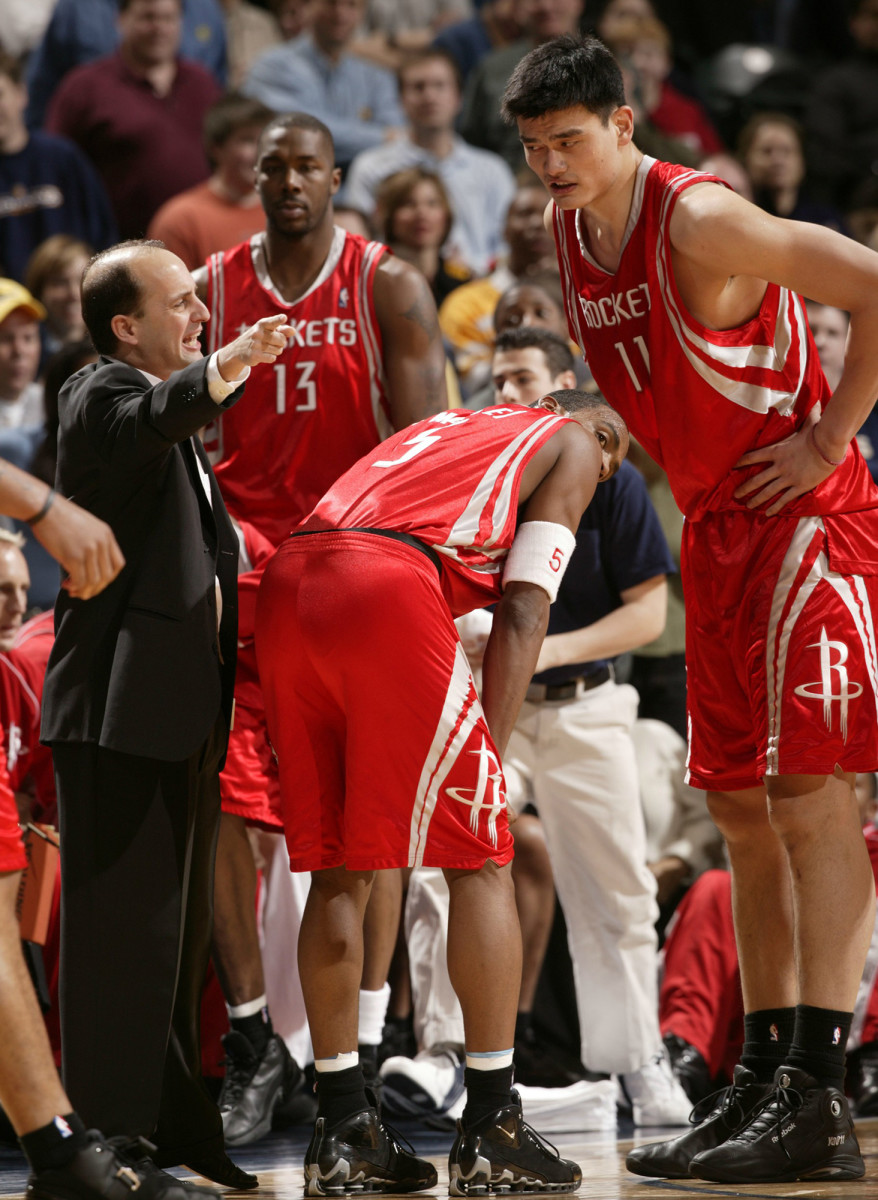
[277, 1160]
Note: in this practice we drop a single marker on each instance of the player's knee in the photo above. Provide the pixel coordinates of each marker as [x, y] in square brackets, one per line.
[739, 816]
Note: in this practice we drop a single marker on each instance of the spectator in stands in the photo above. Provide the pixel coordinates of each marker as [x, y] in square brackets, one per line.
[466, 317]
[293, 16]
[250, 31]
[62, 365]
[316, 73]
[841, 120]
[772, 150]
[480, 121]
[480, 184]
[21, 397]
[414, 217]
[139, 113]
[494, 24]
[393, 29]
[24, 23]
[224, 209]
[47, 185]
[647, 43]
[82, 30]
[53, 276]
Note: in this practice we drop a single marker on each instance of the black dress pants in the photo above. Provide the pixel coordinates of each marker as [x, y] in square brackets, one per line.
[138, 846]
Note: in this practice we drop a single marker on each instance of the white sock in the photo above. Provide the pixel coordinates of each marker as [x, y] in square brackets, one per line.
[238, 1011]
[341, 1062]
[489, 1060]
[373, 1012]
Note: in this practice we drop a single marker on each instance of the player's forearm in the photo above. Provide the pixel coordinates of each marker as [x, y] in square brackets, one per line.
[519, 628]
[857, 390]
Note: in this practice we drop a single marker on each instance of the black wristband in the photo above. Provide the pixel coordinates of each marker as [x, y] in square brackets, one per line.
[47, 504]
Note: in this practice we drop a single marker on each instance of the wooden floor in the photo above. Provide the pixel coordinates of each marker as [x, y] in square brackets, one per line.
[278, 1162]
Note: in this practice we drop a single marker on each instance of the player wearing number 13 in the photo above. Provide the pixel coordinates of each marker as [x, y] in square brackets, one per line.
[365, 357]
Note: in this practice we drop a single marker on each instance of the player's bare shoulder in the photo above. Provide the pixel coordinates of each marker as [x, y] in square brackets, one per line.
[401, 290]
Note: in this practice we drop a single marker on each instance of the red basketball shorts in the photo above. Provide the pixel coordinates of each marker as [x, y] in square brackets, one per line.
[780, 651]
[249, 785]
[384, 754]
[12, 855]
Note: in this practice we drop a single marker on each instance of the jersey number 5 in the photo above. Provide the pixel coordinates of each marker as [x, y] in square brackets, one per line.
[304, 384]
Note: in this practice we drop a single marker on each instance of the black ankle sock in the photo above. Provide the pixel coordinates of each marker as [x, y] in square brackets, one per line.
[340, 1094]
[819, 1042]
[486, 1091]
[768, 1034]
[257, 1029]
[55, 1144]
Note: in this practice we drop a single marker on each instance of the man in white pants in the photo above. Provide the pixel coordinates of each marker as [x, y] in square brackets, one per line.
[572, 756]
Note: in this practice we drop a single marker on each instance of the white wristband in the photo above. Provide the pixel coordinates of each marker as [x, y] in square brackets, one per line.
[539, 554]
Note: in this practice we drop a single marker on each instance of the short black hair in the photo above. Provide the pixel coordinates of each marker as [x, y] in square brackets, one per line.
[568, 72]
[559, 357]
[574, 400]
[298, 120]
[110, 289]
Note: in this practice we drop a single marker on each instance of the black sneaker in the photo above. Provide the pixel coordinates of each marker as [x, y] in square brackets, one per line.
[112, 1170]
[260, 1091]
[689, 1066]
[360, 1154]
[715, 1120]
[500, 1153]
[801, 1131]
[536, 1065]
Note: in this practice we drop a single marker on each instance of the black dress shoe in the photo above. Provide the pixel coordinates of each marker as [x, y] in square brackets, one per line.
[718, 1118]
[219, 1168]
[112, 1170]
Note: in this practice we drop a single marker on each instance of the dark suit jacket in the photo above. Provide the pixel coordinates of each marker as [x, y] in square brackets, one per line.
[136, 669]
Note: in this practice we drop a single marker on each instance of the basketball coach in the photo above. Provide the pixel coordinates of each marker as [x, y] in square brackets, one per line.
[138, 701]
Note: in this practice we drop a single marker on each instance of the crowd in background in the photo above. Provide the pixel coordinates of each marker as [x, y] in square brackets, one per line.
[142, 119]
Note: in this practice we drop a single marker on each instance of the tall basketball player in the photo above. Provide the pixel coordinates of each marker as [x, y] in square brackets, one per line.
[684, 298]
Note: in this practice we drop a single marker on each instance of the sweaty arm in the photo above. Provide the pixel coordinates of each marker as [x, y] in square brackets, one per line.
[559, 483]
[414, 357]
[724, 251]
[638, 620]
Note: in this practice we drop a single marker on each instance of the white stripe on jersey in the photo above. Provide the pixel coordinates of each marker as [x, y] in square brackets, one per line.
[216, 301]
[853, 593]
[28, 690]
[465, 532]
[369, 334]
[775, 659]
[442, 756]
[747, 394]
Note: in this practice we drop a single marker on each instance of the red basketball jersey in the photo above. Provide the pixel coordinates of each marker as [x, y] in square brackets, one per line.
[22, 674]
[695, 398]
[452, 481]
[321, 406]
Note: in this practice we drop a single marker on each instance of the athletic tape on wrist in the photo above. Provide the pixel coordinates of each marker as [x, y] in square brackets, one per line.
[540, 554]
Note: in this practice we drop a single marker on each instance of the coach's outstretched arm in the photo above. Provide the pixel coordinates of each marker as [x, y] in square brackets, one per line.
[83, 545]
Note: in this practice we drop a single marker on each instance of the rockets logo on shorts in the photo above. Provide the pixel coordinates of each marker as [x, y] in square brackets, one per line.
[488, 795]
[832, 671]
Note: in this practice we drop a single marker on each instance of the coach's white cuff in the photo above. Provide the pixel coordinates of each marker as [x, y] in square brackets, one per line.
[218, 388]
